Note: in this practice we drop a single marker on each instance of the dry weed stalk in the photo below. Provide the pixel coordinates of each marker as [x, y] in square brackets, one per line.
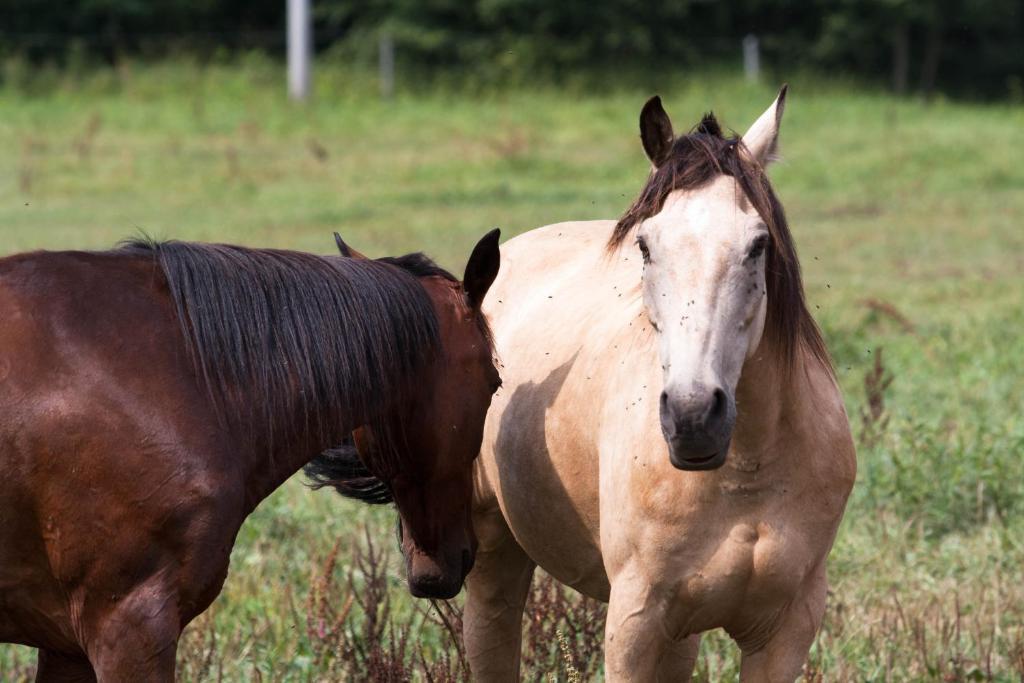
[361, 639]
[198, 652]
[921, 637]
[887, 310]
[874, 417]
[84, 143]
[17, 672]
[563, 628]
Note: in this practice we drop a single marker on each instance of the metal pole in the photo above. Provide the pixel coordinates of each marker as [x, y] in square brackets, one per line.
[387, 66]
[751, 58]
[300, 48]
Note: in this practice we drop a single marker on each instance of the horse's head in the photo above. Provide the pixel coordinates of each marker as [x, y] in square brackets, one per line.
[434, 495]
[440, 424]
[709, 231]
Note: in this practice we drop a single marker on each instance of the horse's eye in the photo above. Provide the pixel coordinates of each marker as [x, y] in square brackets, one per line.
[757, 248]
[643, 249]
[495, 385]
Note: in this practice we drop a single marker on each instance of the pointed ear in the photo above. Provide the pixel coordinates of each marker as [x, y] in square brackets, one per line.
[346, 251]
[656, 131]
[763, 137]
[482, 268]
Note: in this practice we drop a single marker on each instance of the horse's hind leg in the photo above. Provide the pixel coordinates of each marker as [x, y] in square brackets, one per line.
[56, 667]
[496, 592]
[781, 660]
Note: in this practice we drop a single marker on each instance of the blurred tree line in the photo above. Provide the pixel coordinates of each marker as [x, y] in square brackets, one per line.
[963, 46]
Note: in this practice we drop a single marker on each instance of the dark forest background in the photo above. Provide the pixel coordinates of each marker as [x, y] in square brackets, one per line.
[960, 47]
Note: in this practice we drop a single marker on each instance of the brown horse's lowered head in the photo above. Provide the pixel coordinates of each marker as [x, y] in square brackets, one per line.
[436, 431]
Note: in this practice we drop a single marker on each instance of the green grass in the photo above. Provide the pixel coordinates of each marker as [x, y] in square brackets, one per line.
[893, 203]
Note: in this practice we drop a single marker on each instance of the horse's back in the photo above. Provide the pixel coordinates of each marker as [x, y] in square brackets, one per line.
[550, 276]
[84, 339]
[534, 257]
[84, 292]
[81, 331]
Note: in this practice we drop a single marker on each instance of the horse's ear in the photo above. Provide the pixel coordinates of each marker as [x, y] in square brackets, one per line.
[763, 137]
[346, 251]
[656, 131]
[482, 268]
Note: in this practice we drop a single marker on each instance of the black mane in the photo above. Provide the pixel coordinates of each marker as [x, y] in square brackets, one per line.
[419, 265]
[299, 348]
[342, 469]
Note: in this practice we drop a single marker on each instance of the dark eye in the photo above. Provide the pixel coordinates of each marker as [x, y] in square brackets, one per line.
[757, 248]
[495, 385]
[643, 249]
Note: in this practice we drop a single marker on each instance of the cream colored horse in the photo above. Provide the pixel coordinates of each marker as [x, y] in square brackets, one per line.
[670, 436]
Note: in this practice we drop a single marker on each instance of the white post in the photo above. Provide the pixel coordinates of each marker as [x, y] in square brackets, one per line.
[387, 65]
[751, 58]
[300, 48]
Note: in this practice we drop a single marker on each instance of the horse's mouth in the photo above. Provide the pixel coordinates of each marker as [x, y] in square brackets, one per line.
[434, 589]
[689, 462]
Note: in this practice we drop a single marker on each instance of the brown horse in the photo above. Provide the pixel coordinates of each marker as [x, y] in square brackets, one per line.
[151, 397]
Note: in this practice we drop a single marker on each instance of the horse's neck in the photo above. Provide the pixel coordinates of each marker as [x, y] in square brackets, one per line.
[265, 472]
[773, 402]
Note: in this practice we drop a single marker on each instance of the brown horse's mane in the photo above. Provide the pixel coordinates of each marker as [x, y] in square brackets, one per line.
[695, 160]
[341, 467]
[421, 265]
[283, 338]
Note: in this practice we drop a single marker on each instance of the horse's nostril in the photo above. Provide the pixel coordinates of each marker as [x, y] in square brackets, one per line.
[718, 404]
[664, 400]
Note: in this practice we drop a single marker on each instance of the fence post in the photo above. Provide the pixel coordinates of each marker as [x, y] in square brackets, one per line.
[387, 65]
[300, 48]
[751, 58]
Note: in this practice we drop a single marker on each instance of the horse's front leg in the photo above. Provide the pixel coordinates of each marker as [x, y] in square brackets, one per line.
[137, 638]
[496, 592]
[782, 658]
[57, 667]
[641, 640]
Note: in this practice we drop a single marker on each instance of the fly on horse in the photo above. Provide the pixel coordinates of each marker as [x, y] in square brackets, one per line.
[151, 396]
[670, 437]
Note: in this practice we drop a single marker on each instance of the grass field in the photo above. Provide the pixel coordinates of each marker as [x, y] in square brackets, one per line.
[909, 220]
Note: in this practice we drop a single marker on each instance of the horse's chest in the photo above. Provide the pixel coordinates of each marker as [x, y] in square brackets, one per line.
[746, 573]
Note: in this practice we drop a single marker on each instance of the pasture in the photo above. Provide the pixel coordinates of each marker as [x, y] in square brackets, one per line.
[909, 220]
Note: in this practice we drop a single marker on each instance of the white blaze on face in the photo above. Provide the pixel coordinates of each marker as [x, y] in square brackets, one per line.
[704, 286]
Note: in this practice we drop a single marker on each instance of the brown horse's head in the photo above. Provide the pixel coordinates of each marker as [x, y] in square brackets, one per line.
[440, 426]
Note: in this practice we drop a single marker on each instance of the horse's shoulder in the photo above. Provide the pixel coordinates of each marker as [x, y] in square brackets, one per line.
[826, 429]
